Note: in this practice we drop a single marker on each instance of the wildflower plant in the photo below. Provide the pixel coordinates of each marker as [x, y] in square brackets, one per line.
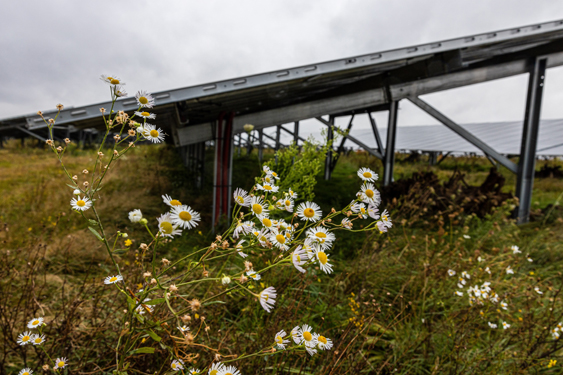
[166, 306]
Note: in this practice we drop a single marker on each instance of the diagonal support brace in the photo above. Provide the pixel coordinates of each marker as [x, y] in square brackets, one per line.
[488, 150]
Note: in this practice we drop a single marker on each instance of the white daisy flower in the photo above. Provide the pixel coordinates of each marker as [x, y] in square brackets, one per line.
[494, 297]
[346, 223]
[261, 236]
[253, 275]
[530, 260]
[80, 204]
[369, 194]
[242, 228]
[215, 368]
[270, 179]
[306, 336]
[279, 240]
[135, 216]
[466, 236]
[321, 235]
[505, 325]
[226, 280]
[451, 272]
[385, 219]
[367, 174]
[152, 133]
[466, 275]
[322, 257]
[193, 371]
[120, 92]
[286, 204]
[268, 298]
[258, 207]
[144, 99]
[177, 365]
[488, 270]
[504, 305]
[299, 258]
[479, 259]
[229, 370]
[146, 115]
[61, 362]
[25, 371]
[267, 188]
[358, 208]
[24, 338]
[538, 291]
[486, 286]
[184, 217]
[38, 339]
[76, 192]
[113, 279]
[35, 322]
[460, 294]
[184, 329]
[556, 333]
[241, 197]
[143, 307]
[382, 227]
[323, 343]
[509, 270]
[309, 211]
[267, 223]
[515, 249]
[167, 199]
[281, 342]
[492, 325]
[111, 80]
[292, 194]
[239, 248]
[270, 172]
[166, 226]
[373, 211]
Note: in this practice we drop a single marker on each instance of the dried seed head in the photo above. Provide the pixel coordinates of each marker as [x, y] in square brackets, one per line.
[117, 137]
[85, 171]
[40, 113]
[131, 132]
[213, 246]
[189, 338]
[218, 238]
[60, 107]
[153, 281]
[67, 141]
[49, 142]
[59, 149]
[165, 261]
[195, 304]
[205, 273]
[243, 279]
[131, 144]
[100, 154]
[225, 244]
[115, 152]
[147, 274]
[51, 121]
[143, 246]
[247, 266]
[173, 288]
[46, 367]
[186, 318]
[85, 183]
[75, 177]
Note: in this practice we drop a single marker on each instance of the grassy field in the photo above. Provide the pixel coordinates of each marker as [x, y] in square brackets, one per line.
[390, 306]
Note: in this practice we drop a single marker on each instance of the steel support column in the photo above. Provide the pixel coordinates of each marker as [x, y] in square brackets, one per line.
[527, 161]
[296, 133]
[389, 160]
[329, 139]
[278, 131]
[223, 165]
[376, 133]
[260, 144]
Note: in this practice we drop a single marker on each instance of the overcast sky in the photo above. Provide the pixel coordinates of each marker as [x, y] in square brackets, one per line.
[54, 51]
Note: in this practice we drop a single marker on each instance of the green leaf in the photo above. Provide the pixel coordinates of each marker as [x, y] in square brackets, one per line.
[156, 301]
[154, 336]
[96, 234]
[120, 251]
[144, 350]
[93, 223]
[72, 186]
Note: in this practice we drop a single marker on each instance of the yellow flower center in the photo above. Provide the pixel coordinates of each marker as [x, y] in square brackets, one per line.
[363, 210]
[35, 322]
[185, 215]
[143, 100]
[298, 258]
[154, 133]
[257, 208]
[166, 227]
[267, 222]
[113, 81]
[214, 372]
[81, 203]
[309, 212]
[175, 202]
[288, 235]
[25, 338]
[322, 339]
[253, 275]
[369, 193]
[279, 339]
[61, 364]
[113, 279]
[265, 296]
[228, 373]
[320, 235]
[367, 174]
[267, 187]
[307, 336]
[173, 365]
[280, 238]
[267, 179]
[384, 217]
[274, 174]
[240, 200]
[25, 373]
[146, 114]
[38, 340]
[322, 257]
[287, 202]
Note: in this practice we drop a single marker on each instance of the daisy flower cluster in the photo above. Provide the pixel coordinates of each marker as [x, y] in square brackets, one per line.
[38, 339]
[482, 293]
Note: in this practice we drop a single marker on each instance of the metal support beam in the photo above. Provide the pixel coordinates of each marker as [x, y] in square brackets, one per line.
[488, 150]
[30, 133]
[329, 139]
[527, 161]
[296, 133]
[295, 137]
[278, 131]
[260, 144]
[356, 141]
[389, 160]
[376, 133]
[340, 149]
